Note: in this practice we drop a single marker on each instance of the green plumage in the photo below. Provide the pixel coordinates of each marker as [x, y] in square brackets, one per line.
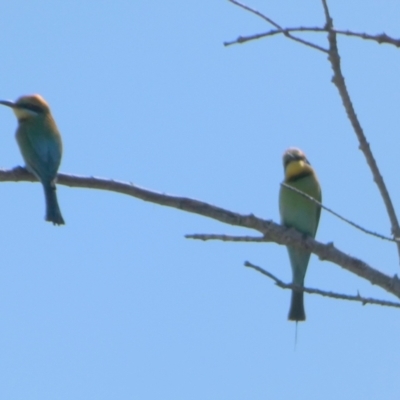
[302, 214]
[41, 147]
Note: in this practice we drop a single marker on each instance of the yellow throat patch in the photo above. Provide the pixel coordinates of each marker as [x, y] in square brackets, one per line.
[295, 168]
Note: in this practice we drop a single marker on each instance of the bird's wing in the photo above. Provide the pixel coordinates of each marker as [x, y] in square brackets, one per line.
[42, 157]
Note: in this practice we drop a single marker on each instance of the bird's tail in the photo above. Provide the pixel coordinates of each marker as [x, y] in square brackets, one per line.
[53, 212]
[296, 312]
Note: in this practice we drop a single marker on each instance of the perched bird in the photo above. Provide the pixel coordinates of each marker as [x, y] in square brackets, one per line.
[302, 214]
[40, 144]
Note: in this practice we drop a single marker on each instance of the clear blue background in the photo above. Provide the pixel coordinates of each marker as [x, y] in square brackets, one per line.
[117, 304]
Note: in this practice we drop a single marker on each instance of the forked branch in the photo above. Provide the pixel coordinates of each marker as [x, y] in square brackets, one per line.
[339, 81]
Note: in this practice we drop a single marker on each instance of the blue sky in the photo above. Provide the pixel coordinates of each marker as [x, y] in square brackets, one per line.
[117, 304]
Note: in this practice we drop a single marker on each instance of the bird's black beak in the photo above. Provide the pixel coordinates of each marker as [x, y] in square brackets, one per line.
[8, 103]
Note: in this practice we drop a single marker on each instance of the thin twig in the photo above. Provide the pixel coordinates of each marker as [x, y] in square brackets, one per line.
[339, 82]
[258, 13]
[378, 235]
[276, 25]
[227, 238]
[273, 232]
[328, 19]
[379, 38]
[334, 295]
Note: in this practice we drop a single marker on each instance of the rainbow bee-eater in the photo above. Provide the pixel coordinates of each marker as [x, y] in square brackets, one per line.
[302, 214]
[40, 144]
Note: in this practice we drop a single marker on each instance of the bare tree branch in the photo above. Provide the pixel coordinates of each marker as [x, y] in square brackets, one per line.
[328, 19]
[367, 231]
[334, 295]
[381, 38]
[276, 25]
[271, 231]
[253, 11]
[339, 82]
[227, 238]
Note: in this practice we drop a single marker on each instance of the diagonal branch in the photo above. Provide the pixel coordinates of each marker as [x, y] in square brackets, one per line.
[353, 224]
[334, 295]
[339, 82]
[276, 25]
[272, 231]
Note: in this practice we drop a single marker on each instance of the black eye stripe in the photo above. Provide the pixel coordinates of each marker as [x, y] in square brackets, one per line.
[31, 107]
[296, 158]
